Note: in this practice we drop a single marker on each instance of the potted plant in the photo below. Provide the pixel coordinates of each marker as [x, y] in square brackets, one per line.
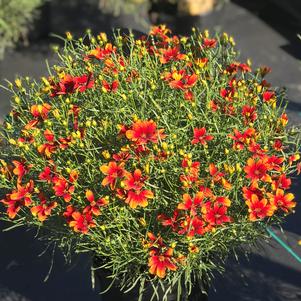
[159, 156]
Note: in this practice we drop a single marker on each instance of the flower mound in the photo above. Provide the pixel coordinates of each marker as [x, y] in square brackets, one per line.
[161, 152]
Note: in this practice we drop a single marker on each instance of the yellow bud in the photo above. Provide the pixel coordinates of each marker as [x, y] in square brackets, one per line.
[17, 100]
[226, 151]
[231, 41]
[189, 116]
[69, 36]
[106, 154]
[164, 146]
[12, 141]
[123, 96]
[68, 170]
[103, 227]
[147, 168]
[88, 123]
[18, 82]
[142, 221]
[94, 123]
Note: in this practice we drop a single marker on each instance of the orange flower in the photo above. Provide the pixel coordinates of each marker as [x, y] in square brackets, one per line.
[94, 205]
[101, 53]
[62, 188]
[81, 222]
[50, 147]
[259, 209]
[180, 80]
[113, 172]
[134, 181]
[40, 110]
[192, 204]
[158, 264]
[171, 54]
[139, 198]
[18, 198]
[20, 169]
[209, 43]
[282, 201]
[216, 214]
[257, 170]
[143, 132]
[43, 210]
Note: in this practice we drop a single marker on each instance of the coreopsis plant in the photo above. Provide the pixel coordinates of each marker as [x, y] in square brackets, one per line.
[158, 155]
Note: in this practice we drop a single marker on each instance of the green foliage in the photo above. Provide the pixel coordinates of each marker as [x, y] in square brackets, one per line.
[16, 16]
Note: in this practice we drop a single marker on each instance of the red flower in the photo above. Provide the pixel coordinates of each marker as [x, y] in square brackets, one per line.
[257, 170]
[242, 139]
[23, 193]
[40, 110]
[172, 221]
[282, 182]
[249, 114]
[268, 96]
[20, 169]
[143, 132]
[199, 136]
[62, 188]
[46, 174]
[191, 173]
[101, 53]
[215, 173]
[209, 43]
[94, 205]
[171, 54]
[192, 204]
[50, 147]
[253, 189]
[81, 222]
[192, 226]
[113, 172]
[216, 214]
[158, 264]
[107, 87]
[43, 210]
[282, 201]
[139, 198]
[259, 209]
[134, 181]
[18, 198]
[180, 80]
[70, 84]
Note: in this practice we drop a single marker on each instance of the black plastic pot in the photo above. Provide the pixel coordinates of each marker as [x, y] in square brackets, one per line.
[114, 292]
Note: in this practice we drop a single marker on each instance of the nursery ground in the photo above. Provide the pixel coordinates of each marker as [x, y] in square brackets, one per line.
[264, 33]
